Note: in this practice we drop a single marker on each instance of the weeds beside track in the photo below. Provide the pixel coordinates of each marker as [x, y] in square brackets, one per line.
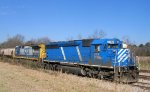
[143, 83]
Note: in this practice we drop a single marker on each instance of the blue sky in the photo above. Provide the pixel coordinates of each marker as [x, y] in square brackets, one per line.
[60, 19]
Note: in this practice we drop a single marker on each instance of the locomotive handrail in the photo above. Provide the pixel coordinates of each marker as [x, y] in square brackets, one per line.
[115, 61]
[138, 62]
[135, 59]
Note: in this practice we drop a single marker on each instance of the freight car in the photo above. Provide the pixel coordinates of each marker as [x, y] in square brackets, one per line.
[9, 52]
[94, 57]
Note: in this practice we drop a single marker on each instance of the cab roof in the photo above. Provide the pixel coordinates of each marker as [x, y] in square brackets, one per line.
[106, 41]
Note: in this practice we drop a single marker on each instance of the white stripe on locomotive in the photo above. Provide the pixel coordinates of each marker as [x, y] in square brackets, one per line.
[63, 53]
[123, 52]
[125, 58]
[125, 55]
[120, 51]
[122, 56]
[79, 54]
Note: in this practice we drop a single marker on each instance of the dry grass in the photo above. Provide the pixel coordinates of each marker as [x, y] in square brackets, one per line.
[20, 79]
[144, 63]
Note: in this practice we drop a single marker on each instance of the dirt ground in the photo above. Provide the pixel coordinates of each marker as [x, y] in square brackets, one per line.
[15, 78]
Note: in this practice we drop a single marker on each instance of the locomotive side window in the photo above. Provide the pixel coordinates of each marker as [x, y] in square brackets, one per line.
[97, 48]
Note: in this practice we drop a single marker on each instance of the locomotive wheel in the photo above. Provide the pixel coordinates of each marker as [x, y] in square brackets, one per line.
[90, 73]
[46, 66]
[100, 75]
[83, 72]
[51, 67]
[58, 68]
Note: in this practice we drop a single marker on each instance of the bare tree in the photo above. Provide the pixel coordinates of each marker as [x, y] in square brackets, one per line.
[126, 39]
[31, 42]
[44, 40]
[79, 37]
[69, 38]
[13, 41]
[147, 44]
[98, 34]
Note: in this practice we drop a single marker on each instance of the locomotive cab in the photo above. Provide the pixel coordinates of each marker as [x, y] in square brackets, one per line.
[104, 51]
[115, 53]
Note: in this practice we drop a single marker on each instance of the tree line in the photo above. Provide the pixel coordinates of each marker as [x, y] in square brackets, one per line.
[138, 50]
[141, 50]
[20, 40]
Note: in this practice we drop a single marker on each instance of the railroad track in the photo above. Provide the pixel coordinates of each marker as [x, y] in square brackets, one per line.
[140, 85]
[144, 80]
[144, 77]
[145, 71]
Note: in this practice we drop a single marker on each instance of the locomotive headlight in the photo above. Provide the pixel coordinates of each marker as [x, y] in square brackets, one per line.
[125, 46]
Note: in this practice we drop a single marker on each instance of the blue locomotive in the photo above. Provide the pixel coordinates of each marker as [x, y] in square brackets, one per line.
[95, 57]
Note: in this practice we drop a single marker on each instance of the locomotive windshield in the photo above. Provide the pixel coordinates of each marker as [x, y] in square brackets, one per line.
[112, 46]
